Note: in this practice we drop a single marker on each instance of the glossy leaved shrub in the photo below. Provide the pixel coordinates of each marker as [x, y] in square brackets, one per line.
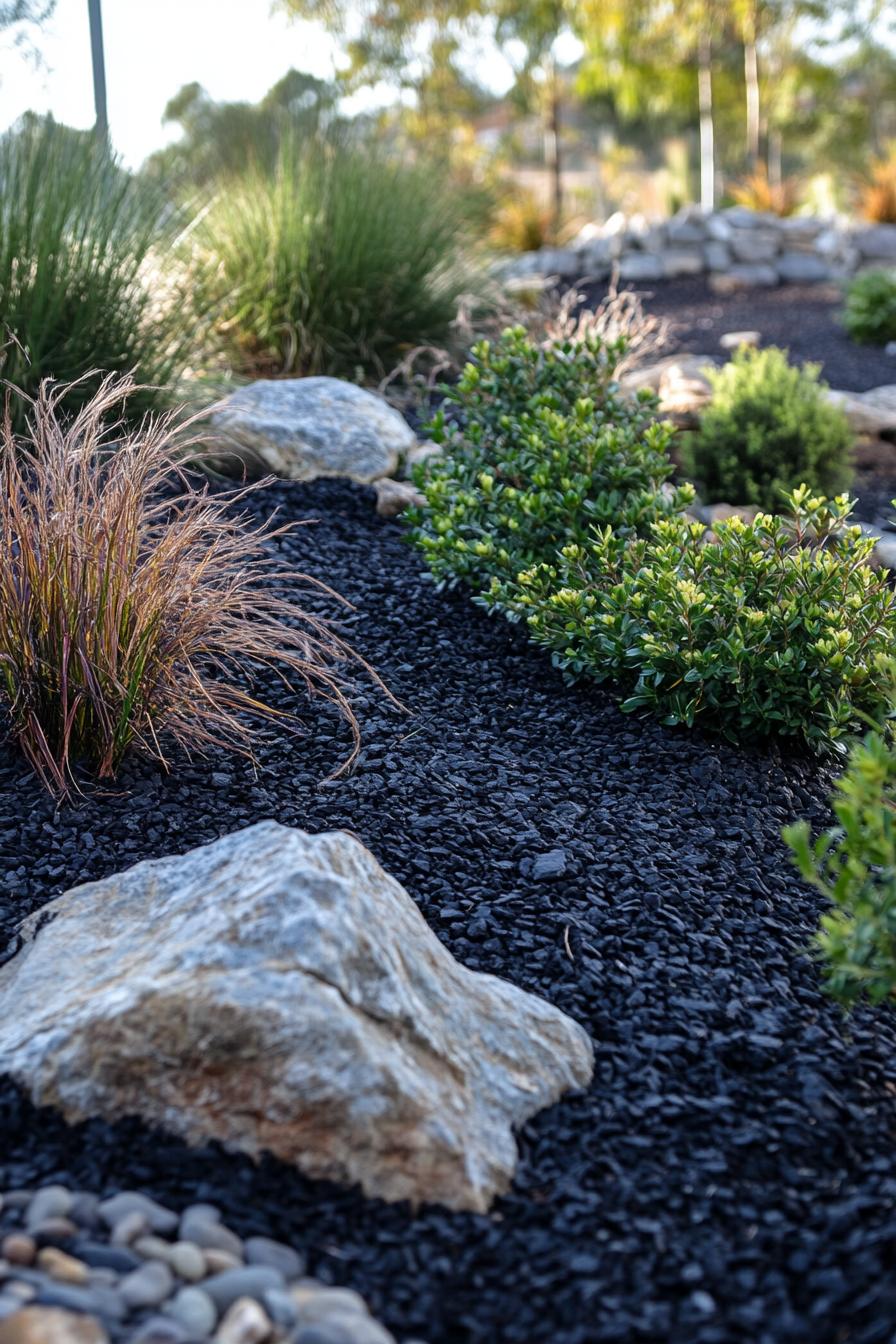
[543, 449]
[775, 626]
[854, 865]
[768, 428]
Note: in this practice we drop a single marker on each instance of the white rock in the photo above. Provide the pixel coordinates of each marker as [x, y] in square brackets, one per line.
[278, 991]
[733, 340]
[301, 428]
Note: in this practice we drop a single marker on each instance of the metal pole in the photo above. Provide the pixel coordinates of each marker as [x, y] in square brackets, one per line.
[99, 68]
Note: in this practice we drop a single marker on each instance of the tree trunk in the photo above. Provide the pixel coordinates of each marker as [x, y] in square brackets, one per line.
[707, 134]
[554, 153]
[751, 80]
[775, 158]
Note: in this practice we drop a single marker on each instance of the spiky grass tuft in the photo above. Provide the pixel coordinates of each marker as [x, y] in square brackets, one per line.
[134, 616]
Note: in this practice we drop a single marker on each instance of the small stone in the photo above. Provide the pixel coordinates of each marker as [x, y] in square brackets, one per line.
[323, 1332]
[153, 1248]
[54, 1232]
[549, 865]
[50, 1325]
[263, 1251]
[94, 1300]
[205, 1229]
[393, 497]
[195, 1310]
[63, 1267]
[280, 1307]
[188, 1261]
[316, 1301]
[733, 340]
[161, 1330]
[53, 1201]
[18, 1248]
[157, 1216]
[218, 1262]
[247, 1281]
[17, 1199]
[98, 1255]
[246, 1322]
[85, 1210]
[22, 1292]
[147, 1286]
[129, 1228]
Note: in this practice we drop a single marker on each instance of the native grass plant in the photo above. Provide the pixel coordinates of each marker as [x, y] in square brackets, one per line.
[869, 314]
[768, 428]
[81, 242]
[877, 194]
[853, 864]
[778, 626]
[334, 263]
[545, 448]
[758, 192]
[134, 615]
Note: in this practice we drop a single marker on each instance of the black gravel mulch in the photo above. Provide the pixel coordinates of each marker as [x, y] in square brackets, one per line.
[731, 1173]
[804, 319]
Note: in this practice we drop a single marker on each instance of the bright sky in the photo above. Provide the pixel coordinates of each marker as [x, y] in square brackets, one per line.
[235, 48]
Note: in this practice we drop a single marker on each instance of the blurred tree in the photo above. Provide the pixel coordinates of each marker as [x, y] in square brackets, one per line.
[218, 139]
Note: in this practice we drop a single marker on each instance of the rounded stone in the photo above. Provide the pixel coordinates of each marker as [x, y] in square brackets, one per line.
[85, 1210]
[246, 1322]
[194, 1310]
[247, 1281]
[316, 1302]
[217, 1262]
[18, 1248]
[51, 1325]
[147, 1286]
[61, 1266]
[281, 1308]
[160, 1330]
[322, 1332]
[54, 1232]
[98, 1255]
[152, 1248]
[52, 1201]
[129, 1229]
[187, 1261]
[263, 1251]
[157, 1216]
[209, 1233]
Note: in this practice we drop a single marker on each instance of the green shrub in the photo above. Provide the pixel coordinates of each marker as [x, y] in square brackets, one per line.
[546, 449]
[80, 288]
[870, 312]
[773, 626]
[768, 428]
[854, 865]
[335, 263]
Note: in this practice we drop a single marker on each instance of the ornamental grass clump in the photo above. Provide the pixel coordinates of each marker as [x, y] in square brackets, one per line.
[337, 262]
[853, 864]
[137, 609]
[768, 428]
[544, 449]
[777, 626]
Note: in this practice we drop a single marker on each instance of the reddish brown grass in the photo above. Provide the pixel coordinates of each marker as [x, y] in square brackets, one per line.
[134, 616]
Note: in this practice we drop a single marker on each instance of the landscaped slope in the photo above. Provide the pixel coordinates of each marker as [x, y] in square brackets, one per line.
[729, 1176]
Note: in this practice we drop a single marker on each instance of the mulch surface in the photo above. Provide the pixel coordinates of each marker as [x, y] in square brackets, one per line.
[731, 1173]
[804, 319]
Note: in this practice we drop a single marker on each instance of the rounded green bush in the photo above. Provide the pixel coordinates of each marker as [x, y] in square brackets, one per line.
[768, 428]
[870, 312]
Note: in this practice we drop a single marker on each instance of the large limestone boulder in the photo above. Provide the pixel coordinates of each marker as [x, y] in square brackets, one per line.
[871, 414]
[279, 991]
[301, 428]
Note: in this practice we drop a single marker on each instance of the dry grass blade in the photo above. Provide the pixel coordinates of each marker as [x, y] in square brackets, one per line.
[134, 615]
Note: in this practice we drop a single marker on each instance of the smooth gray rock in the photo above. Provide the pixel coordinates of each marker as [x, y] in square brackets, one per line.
[877, 242]
[157, 1216]
[53, 1201]
[263, 1251]
[681, 261]
[247, 1281]
[279, 991]
[801, 267]
[161, 1330]
[208, 1232]
[187, 1261]
[755, 245]
[717, 255]
[640, 266]
[147, 1286]
[301, 428]
[195, 1310]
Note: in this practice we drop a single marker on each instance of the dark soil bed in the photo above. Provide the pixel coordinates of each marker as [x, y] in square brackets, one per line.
[731, 1173]
[805, 319]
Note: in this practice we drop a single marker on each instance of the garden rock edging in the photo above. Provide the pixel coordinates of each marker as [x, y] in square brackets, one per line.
[736, 247]
[278, 991]
[302, 428]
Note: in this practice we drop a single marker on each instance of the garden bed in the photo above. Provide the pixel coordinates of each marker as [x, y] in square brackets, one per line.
[730, 1174]
[805, 319]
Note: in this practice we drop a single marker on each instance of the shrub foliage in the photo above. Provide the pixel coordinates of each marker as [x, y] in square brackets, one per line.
[131, 616]
[545, 448]
[333, 263]
[870, 311]
[767, 429]
[775, 626]
[854, 865]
